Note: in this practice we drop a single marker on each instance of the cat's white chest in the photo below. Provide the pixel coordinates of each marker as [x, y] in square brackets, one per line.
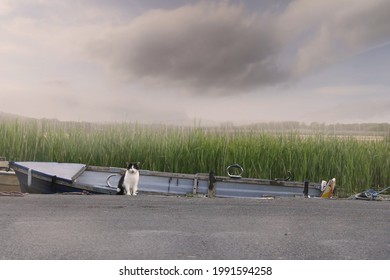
[130, 182]
[131, 179]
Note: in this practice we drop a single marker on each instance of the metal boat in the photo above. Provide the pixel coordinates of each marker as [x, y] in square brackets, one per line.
[54, 177]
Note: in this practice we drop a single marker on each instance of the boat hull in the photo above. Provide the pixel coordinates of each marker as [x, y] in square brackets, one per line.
[174, 183]
[50, 177]
[47, 178]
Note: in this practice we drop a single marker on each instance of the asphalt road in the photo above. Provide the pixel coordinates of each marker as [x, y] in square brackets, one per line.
[162, 227]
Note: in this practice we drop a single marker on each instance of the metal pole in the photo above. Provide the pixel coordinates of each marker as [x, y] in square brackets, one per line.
[306, 189]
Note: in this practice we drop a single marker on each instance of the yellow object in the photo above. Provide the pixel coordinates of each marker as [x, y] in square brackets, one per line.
[328, 191]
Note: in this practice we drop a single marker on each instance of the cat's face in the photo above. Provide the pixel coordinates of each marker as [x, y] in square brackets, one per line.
[133, 167]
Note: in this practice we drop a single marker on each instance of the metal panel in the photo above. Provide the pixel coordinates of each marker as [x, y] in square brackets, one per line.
[97, 178]
[240, 189]
[180, 186]
[65, 171]
[203, 187]
[154, 184]
[167, 185]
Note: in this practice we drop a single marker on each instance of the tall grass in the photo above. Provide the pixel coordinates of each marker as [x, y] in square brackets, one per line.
[356, 164]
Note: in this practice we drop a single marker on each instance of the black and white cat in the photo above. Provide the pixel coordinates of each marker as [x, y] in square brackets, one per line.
[128, 183]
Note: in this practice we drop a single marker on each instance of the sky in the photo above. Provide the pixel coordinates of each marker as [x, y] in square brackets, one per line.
[174, 61]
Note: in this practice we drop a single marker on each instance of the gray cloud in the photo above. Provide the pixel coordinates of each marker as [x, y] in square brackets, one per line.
[208, 47]
[332, 31]
[224, 48]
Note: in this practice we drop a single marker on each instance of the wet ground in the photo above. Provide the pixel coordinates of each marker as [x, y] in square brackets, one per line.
[165, 227]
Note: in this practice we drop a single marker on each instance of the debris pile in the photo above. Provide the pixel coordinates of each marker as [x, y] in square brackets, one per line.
[371, 194]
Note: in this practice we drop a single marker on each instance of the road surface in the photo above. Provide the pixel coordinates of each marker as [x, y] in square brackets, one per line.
[164, 227]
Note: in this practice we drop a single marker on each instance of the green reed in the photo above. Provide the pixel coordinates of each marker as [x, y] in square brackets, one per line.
[356, 164]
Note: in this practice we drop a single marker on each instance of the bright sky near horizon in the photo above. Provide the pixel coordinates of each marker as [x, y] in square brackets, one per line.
[175, 61]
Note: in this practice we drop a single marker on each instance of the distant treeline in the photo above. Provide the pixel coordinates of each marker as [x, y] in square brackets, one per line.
[359, 129]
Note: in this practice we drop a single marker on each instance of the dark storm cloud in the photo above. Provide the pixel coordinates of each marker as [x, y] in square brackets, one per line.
[209, 47]
[224, 48]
